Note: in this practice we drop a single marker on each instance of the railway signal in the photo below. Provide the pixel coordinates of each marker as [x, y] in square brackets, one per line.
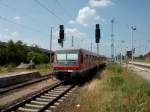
[129, 54]
[97, 33]
[97, 36]
[61, 35]
[132, 29]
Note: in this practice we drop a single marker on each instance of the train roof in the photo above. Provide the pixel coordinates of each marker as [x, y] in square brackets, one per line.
[84, 50]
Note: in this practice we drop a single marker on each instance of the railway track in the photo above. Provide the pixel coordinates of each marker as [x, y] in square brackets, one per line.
[45, 101]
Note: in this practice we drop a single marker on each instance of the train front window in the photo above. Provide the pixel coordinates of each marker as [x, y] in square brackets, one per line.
[72, 56]
[67, 59]
[61, 57]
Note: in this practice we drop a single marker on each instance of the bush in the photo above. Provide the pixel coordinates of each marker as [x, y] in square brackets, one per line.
[37, 58]
[10, 67]
[0, 69]
[116, 68]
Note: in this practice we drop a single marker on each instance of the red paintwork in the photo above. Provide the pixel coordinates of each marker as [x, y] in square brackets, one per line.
[85, 65]
[50, 73]
[67, 67]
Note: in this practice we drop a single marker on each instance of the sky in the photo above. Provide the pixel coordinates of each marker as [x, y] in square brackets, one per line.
[31, 20]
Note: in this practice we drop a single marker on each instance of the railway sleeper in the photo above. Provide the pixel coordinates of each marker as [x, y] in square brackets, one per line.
[39, 103]
[56, 103]
[48, 111]
[43, 99]
[46, 97]
[55, 95]
[21, 109]
[60, 91]
[33, 106]
[50, 95]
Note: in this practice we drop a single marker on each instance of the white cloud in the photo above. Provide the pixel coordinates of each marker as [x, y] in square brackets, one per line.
[87, 16]
[71, 22]
[6, 36]
[17, 19]
[100, 3]
[6, 30]
[74, 32]
[14, 34]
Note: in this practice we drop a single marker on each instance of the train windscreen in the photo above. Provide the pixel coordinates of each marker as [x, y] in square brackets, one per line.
[67, 59]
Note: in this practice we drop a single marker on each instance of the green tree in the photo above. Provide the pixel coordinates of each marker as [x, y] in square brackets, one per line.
[37, 58]
[3, 53]
[21, 51]
[11, 54]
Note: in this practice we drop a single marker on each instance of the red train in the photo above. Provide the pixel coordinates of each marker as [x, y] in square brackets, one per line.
[75, 62]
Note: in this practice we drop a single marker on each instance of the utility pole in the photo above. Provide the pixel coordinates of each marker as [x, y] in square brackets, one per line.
[91, 46]
[122, 41]
[112, 40]
[72, 41]
[50, 57]
[132, 29]
[97, 48]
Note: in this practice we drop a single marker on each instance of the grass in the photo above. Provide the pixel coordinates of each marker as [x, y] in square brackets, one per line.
[42, 68]
[7, 68]
[117, 90]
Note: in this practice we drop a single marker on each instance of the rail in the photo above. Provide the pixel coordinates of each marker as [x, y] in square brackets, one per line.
[41, 101]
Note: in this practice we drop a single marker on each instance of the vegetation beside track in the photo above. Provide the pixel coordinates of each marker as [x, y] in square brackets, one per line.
[42, 68]
[13, 54]
[115, 90]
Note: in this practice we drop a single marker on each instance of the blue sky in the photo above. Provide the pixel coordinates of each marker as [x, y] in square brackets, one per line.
[28, 21]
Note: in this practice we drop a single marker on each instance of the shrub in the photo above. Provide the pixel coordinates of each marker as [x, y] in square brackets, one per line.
[116, 68]
[10, 67]
[37, 58]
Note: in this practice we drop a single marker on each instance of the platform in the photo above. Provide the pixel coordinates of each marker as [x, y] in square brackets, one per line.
[15, 78]
[141, 64]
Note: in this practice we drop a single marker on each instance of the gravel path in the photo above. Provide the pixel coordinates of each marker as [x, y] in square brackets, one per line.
[9, 97]
[143, 72]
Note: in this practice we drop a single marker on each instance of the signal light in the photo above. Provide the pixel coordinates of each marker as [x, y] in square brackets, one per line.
[61, 32]
[61, 35]
[60, 42]
[97, 33]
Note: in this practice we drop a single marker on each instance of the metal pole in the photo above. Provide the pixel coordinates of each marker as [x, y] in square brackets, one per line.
[112, 40]
[132, 43]
[97, 48]
[91, 46]
[72, 41]
[120, 58]
[50, 45]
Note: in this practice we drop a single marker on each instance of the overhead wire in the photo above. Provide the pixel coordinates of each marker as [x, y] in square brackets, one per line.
[48, 10]
[19, 24]
[25, 13]
[65, 11]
